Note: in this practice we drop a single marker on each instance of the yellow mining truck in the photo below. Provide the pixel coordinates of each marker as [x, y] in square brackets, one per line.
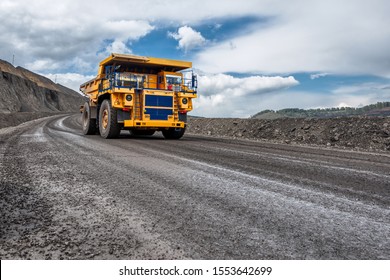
[139, 94]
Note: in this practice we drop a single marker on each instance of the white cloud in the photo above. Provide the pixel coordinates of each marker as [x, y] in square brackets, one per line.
[313, 36]
[45, 35]
[309, 36]
[188, 38]
[223, 83]
[245, 106]
[125, 29]
[214, 101]
[362, 88]
[40, 64]
[75, 30]
[70, 80]
[224, 95]
[342, 104]
[319, 75]
[117, 47]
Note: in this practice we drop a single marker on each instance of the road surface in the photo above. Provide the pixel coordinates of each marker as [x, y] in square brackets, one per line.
[69, 196]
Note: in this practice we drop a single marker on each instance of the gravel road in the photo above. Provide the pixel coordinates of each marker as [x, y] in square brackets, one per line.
[69, 196]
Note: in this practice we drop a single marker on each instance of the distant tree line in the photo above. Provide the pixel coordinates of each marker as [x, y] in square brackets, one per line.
[380, 108]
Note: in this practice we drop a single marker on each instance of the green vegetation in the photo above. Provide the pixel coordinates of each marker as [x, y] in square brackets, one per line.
[378, 109]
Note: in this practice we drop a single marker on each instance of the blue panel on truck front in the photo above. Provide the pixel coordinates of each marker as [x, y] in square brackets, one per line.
[158, 114]
[158, 100]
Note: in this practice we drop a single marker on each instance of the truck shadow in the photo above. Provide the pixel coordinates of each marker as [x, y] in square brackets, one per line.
[157, 136]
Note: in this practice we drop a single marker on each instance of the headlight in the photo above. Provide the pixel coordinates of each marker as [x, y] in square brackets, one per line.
[184, 101]
[129, 97]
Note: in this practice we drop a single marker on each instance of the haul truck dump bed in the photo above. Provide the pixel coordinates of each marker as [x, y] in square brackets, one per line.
[139, 94]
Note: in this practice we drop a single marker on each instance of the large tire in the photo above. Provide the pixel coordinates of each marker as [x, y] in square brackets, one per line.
[108, 122]
[88, 123]
[173, 133]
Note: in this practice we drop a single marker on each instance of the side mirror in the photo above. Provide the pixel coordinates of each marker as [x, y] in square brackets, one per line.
[194, 81]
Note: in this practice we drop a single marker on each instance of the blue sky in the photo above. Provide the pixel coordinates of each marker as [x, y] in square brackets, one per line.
[249, 55]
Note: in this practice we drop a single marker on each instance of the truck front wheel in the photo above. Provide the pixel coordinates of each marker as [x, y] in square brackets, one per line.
[173, 133]
[89, 124]
[108, 124]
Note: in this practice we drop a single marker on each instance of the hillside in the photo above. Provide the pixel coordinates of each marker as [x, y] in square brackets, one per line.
[378, 109]
[24, 91]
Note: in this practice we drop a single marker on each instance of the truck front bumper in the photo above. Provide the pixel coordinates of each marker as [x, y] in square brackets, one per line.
[152, 124]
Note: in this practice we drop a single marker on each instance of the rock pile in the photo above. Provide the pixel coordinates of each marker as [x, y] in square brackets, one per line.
[360, 133]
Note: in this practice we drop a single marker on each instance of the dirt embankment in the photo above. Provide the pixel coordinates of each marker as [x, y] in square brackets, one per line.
[24, 91]
[361, 133]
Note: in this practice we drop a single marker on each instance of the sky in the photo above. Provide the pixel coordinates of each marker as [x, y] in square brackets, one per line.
[249, 55]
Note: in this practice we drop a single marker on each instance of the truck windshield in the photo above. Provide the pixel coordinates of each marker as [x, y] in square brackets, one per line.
[173, 80]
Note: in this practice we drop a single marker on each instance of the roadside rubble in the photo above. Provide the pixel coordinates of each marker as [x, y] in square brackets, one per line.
[359, 133]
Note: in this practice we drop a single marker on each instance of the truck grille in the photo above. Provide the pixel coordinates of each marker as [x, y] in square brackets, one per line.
[158, 107]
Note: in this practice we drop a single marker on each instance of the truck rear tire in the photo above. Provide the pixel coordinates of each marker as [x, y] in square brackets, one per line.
[108, 122]
[89, 124]
[173, 133]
